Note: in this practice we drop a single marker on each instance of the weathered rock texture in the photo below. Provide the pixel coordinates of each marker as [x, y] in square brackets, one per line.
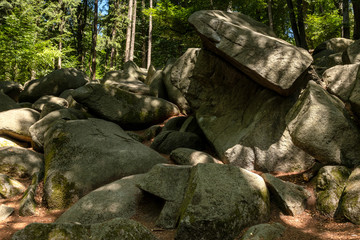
[253, 48]
[124, 108]
[330, 184]
[244, 121]
[16, 123]
[82, 155]
[319, 124]
[53, 84]
[220, 201]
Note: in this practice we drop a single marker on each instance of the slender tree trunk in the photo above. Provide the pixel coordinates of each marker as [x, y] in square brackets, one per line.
[150, 37]
[133, 32]
[144, 32]
[128, 31]
[294, 26]
[82, 14]
[356, 7]
[346, 19]
[301, 24]
[61, 32]
[113, 34]
[93, 45]
[269, 8]
[230, 7]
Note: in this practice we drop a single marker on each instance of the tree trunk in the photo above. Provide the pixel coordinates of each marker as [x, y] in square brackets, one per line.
[128, 31]
[61, 32]
[150, 38]
[301, 24]
[113, 34]
[133, 32]
[294, 26]
[269, 8]
[356, 7]
[82, 14]
[346, 19]
[94, 39]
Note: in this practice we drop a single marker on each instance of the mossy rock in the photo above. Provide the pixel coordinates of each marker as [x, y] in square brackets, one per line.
[330, 184]
[350, 201]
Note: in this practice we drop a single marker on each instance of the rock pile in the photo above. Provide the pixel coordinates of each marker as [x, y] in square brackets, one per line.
[256, 105]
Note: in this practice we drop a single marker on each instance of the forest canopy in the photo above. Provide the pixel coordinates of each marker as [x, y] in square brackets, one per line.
[96, 36]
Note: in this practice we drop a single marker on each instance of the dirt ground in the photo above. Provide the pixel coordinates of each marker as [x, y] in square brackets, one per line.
[310, 225]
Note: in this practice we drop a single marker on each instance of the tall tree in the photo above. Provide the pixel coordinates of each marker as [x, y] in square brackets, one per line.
[61, 32]
[113, 33]
[150, 37]
[356, 7]
[82, 12]
[94, 40]
[346, 19]
[129, 31]
[297, 23]
[133, 32]
[269, 9]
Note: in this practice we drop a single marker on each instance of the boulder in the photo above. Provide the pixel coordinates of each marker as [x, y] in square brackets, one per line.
[117, 199]
[157, 86]
[75, 148]
[188, 156]
[118, 228]
[12, 89]
[174, 124]
[352, 54]
[50, 107]
[28, 203]
[16, 123]
[168, 141]
[129, 110]
[320, 125]
[168, 182]
[53, 84]
[5, 212]
[7, 103]
[253, 48]
[336, 45]
[7, 142]
[350, 200]
[242, 120]
[220, 201]
[327, 59]
[290, 198]
[172, 92]
[40, 103]
[38, 129]
[265, 231]
[10, 187]
[330, 183]
[20, 162]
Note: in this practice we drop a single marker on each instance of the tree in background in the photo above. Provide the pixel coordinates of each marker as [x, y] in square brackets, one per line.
[356, 7]
[94, 41]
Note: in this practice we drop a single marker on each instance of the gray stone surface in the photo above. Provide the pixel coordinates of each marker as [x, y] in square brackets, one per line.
[53, 84]
[350, 201]
[220, 201]
[188, 156]
[168, 182]
[118, 228]
[11, 88]
[16, 123]
[335, 45]
[40, 103]
[75, 148]
[38, 129]
[20, 162]
[264, 231]
[330, 183]
[320, 125]
[168, 141]
[7, 103]
[172, 92]
[242, 120]
[129, 110]
[10, 187]
[28, 203]
[352, 53]
[253, 48]
[157, 86]
[117, 199]
[5, 212]
[291, 198]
